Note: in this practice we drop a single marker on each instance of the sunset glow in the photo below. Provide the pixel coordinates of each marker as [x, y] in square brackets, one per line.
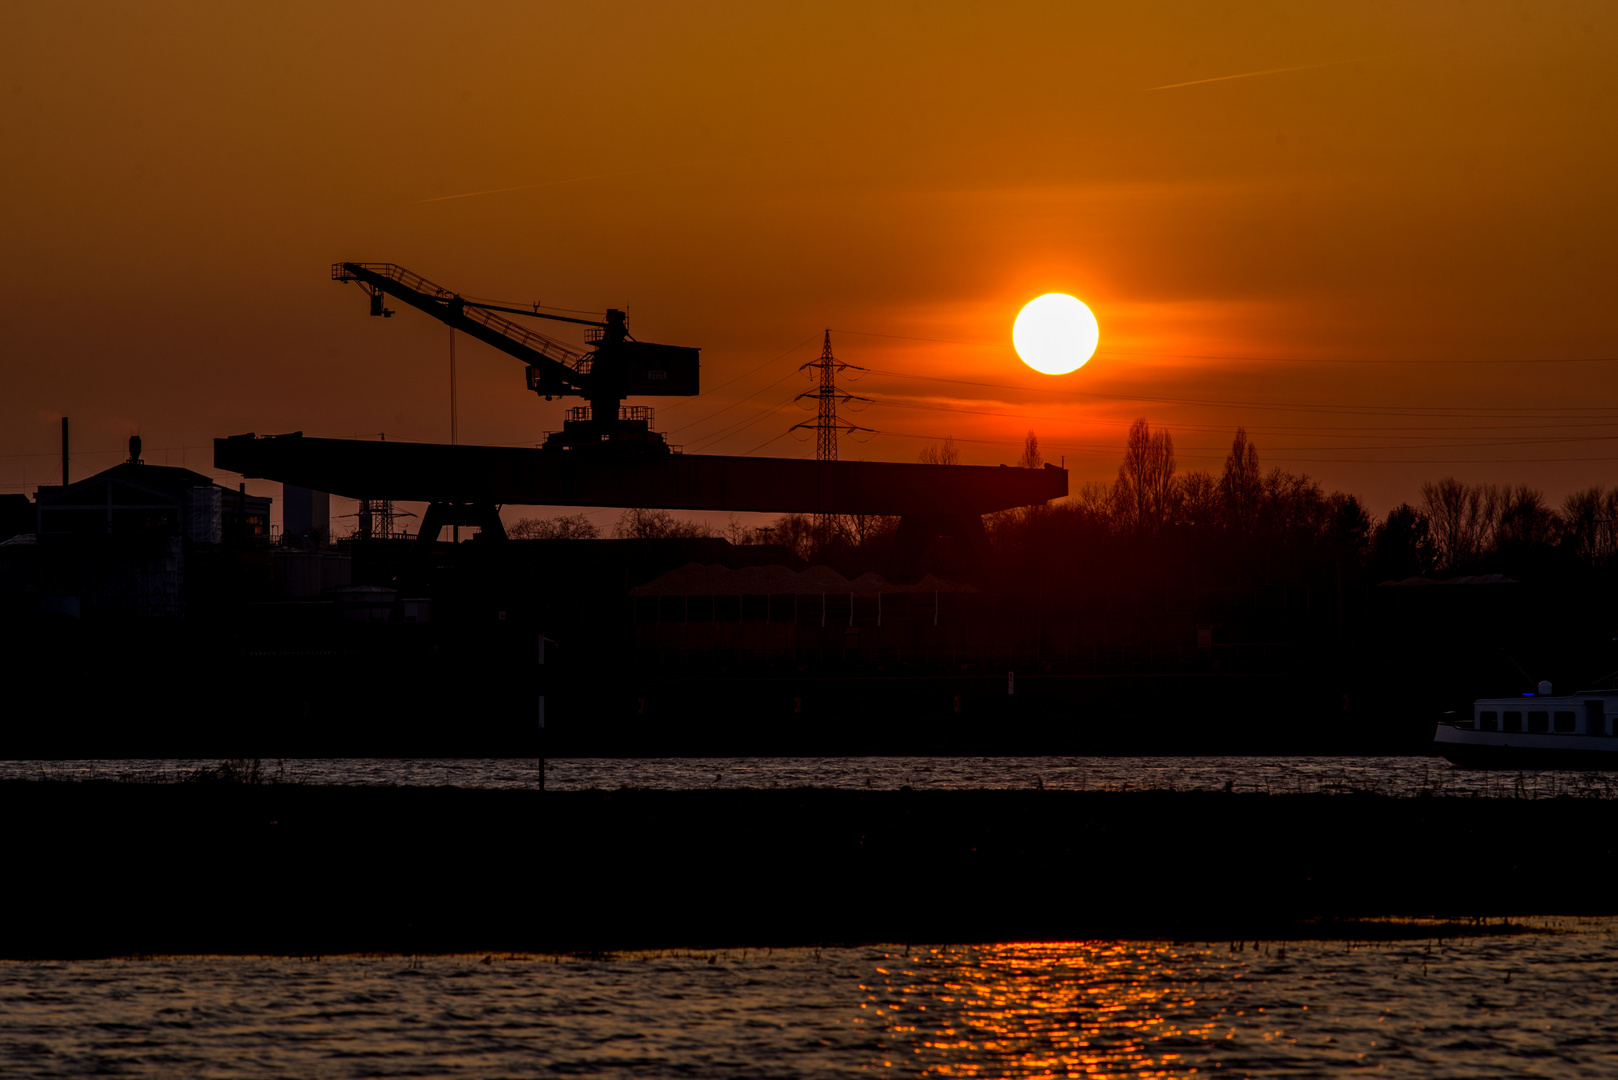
[1055, 333]
[1276, 221]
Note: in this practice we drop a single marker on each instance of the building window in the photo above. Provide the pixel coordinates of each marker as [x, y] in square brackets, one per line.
[1513, 721]
[1539, 721]
[1488, 721]
[1566, 721]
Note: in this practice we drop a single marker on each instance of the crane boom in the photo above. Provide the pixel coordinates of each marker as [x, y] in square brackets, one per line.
[617, 366]
[561, 367]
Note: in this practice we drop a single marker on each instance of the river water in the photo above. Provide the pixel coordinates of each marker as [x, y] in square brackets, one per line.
[1399, 776]
[1529, 1004]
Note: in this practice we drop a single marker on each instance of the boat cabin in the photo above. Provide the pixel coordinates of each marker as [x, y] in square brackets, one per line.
[1583, 713]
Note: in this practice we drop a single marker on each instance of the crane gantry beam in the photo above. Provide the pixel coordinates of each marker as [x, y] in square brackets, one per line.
[942, 500]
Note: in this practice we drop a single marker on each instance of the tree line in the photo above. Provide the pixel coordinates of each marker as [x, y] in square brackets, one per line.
[1268, 522]
[1243, 523]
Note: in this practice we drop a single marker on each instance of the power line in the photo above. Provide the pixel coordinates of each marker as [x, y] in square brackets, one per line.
[1322, 432]
[1384, 360]
[1110, 353]
[767, 442]
[743, 375]
[1576, 412]
[1276, 454]
[732, 405]
[742, 425]
[1513, 441]
[940, 341]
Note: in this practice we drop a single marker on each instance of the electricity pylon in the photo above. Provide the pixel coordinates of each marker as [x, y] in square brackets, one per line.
[827, 427]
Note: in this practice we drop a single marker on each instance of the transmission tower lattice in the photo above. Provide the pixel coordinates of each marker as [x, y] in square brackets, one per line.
[826, 396]
[826, 425]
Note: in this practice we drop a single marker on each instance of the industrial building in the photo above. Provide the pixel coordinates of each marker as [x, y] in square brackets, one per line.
[137, 541]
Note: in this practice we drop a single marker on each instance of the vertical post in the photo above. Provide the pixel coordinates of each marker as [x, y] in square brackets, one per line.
[454, 432]
[64, 452]
[542, 716]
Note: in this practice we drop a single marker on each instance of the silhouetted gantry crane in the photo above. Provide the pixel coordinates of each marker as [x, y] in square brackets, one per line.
[617, 366]
[607, 453]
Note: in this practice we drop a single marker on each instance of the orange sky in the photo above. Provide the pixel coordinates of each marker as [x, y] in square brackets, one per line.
[1390, 230]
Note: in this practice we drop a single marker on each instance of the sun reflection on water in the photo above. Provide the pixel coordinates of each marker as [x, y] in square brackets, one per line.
[1530, 999]
[1151, 1008]
[1045, 1010]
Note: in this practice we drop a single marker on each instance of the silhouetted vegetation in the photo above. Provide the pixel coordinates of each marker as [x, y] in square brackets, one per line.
[566, 527]
[1155, 527]
[1248, 526]
[637, 524]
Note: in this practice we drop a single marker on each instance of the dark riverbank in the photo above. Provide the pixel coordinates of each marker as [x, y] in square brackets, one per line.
[296, 692]
[102, 868]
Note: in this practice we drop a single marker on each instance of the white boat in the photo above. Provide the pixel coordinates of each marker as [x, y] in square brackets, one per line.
[1535, 731]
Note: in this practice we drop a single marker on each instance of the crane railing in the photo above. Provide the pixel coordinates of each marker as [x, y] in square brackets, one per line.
[515, 332]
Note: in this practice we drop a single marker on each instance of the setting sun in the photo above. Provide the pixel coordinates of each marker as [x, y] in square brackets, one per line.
[1055, 333]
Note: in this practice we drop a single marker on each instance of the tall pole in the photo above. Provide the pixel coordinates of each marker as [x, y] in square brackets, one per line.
[454, 433]
[64, 451]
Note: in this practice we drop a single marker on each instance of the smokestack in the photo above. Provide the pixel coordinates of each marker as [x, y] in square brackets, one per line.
[64, 451]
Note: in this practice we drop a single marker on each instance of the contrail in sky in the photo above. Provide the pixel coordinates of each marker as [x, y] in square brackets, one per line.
[595, 176]
[1270, 71]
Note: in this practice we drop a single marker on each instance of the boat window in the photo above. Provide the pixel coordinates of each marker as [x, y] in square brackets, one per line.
[1539, 721]
[1488, 721]
[1565, 721]
[1513, 721]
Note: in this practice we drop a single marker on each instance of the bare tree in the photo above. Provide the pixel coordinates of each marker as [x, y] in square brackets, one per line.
[863, 528]
[738, 532]
[796, 532]
[1291, 502]
[1146, 477]
[1588, 524]
[1523, 520]
[568, 527]
[1460, 516]
[1197, 498]
[638, 524]
[1402, 544]
[1031, 458]
[1241, 486]
[1095, 501]
[945, 454]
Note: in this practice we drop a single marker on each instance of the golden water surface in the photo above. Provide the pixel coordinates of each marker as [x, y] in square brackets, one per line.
[1527, 1004]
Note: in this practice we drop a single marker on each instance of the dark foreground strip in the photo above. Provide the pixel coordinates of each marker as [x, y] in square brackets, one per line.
[95, 869]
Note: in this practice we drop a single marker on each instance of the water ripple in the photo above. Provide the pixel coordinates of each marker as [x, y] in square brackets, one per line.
[1397, 776]
[1535, 1004]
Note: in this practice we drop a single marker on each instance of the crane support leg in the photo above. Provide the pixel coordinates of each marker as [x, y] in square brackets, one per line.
[916, 530]
[486, 516]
